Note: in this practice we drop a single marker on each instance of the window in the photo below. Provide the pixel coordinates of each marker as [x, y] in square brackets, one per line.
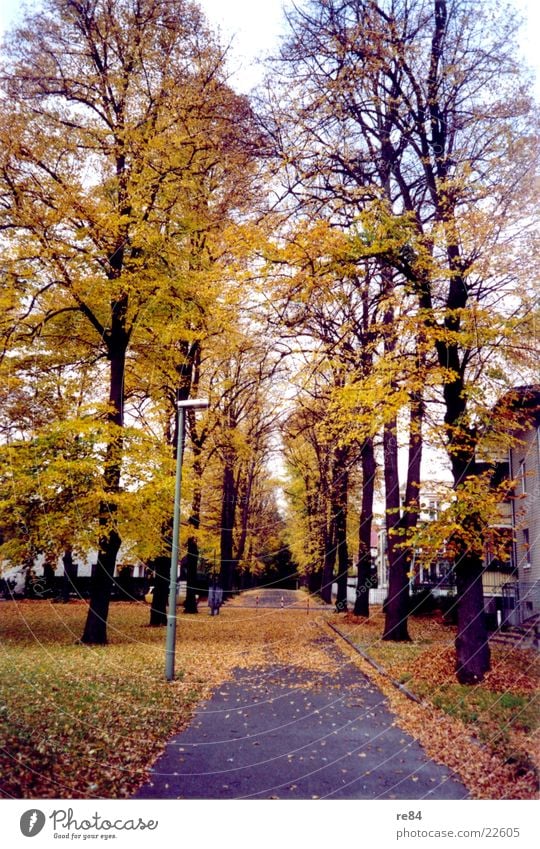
[433, 508]
[526, 550]
[522, 476]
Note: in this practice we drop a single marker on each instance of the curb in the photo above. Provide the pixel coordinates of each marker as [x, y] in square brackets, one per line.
[380, 669]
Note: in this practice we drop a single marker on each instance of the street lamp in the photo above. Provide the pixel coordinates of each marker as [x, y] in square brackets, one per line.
[170, 645]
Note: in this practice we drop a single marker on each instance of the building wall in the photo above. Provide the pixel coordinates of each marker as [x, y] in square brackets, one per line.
[525, 468]
[493, 581]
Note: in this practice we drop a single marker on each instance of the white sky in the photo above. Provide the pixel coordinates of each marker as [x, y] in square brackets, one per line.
[256, 27]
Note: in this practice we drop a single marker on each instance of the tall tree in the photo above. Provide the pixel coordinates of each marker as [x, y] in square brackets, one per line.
[310, 525]
[416, 116]
[109, 112]
[237, 389]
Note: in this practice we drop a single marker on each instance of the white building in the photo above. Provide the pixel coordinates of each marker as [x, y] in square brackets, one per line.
[16, 576]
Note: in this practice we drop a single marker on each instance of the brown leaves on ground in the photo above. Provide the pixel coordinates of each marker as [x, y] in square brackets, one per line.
[88, 721]
[487, 733]
[450, 742]
[512, 670]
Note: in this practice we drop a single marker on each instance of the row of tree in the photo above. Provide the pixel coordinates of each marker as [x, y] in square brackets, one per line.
[365, 226]
[410, 150]
[128, 167]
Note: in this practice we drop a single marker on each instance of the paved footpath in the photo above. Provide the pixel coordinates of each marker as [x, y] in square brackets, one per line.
[285, 599]
[273, 733]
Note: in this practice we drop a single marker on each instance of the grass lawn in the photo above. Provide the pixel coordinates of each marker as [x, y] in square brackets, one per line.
[86, 721]
[502, 713]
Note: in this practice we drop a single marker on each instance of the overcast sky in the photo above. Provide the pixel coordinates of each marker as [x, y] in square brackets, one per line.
[255, 27]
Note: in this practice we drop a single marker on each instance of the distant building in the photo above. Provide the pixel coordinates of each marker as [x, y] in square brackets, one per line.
[436, 575]
[15, 579]
[511, 583]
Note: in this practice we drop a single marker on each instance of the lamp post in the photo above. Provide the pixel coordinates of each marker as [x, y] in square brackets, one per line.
[170, 645]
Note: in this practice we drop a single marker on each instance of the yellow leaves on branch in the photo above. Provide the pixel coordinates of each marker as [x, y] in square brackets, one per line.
[470, 522]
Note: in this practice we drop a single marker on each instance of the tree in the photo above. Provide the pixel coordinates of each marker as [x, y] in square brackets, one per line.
[238, 383]
[415, 120]
[321, 467]
[346, 310]
[49, 456]
[306, 490]
[111, 115]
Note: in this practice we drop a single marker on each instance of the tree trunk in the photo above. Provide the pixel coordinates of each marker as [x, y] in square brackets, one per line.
[412, 487]
[397, 603]
[361, 604]
[245, 515]
[314, 581]
[343, 566]
[95, 630]
[327, 576]
[473, 657]
[190, 604]
[161, 567]
[48, 578]
[472, 649]
[70, 574]
[341, 487]
[315, 577]
[192, 561]
[227, 526]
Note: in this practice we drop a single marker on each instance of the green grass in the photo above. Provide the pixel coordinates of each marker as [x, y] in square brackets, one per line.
[500, 720]
[78, 720]
[478, 704]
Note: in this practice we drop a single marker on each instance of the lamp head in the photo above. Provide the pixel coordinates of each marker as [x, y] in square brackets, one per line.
[194, 403]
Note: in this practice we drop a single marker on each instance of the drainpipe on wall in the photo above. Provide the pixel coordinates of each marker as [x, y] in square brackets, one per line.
[513, 503]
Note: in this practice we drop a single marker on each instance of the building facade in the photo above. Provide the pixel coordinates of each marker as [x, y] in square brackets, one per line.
[524, 467]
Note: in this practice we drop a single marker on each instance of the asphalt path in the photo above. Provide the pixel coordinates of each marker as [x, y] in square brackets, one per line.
[277, 733]
[286, 599]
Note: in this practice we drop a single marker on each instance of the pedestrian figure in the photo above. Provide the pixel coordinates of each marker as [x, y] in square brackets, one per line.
[215, 599]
